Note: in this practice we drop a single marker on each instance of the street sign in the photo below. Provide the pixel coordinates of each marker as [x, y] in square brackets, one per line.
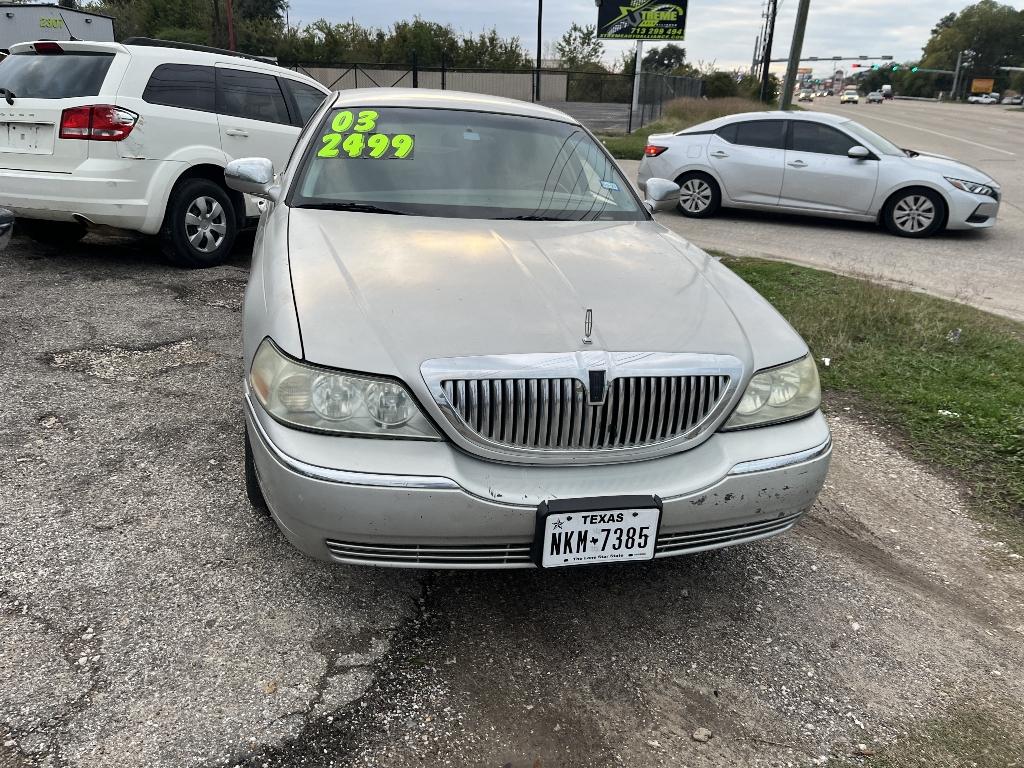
[982, 85]
[642, 19]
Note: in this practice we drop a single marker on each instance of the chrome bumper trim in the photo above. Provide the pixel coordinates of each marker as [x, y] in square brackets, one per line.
[778, 462]
[346, 477]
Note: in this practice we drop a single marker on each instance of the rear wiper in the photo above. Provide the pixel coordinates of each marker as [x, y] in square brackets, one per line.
[8, 95]
[356, 207]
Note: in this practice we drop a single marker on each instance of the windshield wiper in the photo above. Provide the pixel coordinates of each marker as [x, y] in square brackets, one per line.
[529, 218]
[8, 95]
[356, 207]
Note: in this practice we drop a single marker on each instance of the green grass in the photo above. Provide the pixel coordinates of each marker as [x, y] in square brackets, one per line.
[677, 115]
[959, 404]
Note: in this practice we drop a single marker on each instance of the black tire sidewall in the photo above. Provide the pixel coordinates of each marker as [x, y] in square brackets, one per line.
[935, 226]
[175, 242]
[716, 195]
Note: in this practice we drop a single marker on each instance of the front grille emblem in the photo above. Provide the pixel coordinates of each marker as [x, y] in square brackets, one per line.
[588, 327]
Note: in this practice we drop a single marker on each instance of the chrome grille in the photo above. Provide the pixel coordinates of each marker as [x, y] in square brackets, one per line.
[411, 555]
[555, 413]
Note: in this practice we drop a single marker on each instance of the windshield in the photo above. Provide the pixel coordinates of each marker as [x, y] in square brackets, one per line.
[880, 143]
[460, 164]
[54, 75]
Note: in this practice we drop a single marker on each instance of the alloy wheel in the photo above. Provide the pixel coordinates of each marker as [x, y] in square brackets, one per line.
[914, 213]
[205, 224]
[695, 195]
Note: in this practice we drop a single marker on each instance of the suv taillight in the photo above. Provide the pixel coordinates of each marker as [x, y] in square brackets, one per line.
[102, 122]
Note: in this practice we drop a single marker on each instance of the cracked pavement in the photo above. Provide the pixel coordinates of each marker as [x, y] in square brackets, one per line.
[149, 617]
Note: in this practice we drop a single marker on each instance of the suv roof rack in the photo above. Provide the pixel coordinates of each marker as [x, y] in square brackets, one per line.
[155, 43]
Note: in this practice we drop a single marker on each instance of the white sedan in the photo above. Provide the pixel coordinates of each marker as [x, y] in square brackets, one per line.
[819, 164]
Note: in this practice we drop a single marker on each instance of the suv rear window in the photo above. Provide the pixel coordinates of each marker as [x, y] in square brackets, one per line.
[54, 75]
[182, 85]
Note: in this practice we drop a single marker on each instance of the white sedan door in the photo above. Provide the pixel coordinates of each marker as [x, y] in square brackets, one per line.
[820, 176]
[749, 159]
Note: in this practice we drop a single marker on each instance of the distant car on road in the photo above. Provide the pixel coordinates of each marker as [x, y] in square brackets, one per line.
[875, 97]
[984, 98]
[1012, 100]
[820, 164]
[805, 96]
[849, 97]
[887, 92]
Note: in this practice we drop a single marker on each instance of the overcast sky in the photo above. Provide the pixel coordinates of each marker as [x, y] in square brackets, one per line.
[722, 31]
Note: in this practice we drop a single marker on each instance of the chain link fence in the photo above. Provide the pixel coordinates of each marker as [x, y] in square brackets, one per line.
[602, 97]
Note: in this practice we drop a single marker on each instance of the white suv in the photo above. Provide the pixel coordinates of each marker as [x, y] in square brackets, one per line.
[136, 135]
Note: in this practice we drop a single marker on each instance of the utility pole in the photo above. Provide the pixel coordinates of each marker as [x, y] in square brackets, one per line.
[231, 26]
[540, 19]
[773, 7]
[795, 49]
[956, 74]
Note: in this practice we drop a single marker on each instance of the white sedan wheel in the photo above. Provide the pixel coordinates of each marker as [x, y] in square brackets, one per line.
[914, 214]
[695, 195]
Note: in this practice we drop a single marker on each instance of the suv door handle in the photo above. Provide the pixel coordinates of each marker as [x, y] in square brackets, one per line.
[798, 164]
[719, 153]
[237, 132]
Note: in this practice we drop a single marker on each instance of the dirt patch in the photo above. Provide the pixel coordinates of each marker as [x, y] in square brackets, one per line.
[127, 364]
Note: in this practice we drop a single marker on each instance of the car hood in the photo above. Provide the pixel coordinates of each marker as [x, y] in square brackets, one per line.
[947, 166]
[382, 294]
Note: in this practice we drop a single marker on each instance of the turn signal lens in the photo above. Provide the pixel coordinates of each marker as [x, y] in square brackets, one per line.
[653, 150]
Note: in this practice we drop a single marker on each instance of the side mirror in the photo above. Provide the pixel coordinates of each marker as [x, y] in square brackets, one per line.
[252, 175]
[858, 153]
[662, 194]
[6, 228]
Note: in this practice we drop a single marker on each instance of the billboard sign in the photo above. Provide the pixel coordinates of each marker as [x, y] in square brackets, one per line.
[641, 19]
[982, 85]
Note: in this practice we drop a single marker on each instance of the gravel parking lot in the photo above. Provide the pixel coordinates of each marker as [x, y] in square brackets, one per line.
[983, 268]
[150, 617]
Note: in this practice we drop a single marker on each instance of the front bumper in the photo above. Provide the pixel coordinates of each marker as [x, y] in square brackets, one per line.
[970, 211]
[427, 505]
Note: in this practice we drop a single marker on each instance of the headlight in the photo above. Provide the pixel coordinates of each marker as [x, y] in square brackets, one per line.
[972, 186]
[305, 396]
[778, 394]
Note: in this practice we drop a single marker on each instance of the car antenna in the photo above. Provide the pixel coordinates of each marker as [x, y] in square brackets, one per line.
[71, 35]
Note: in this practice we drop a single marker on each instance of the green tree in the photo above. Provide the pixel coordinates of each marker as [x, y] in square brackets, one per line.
[720, 85]
[664, 60]
[579, 46]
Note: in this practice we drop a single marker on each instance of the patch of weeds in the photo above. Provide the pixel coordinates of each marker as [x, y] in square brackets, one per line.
[948, 377]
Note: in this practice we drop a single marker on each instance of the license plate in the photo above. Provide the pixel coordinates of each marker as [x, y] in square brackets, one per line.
[34, 138]
[621, 529]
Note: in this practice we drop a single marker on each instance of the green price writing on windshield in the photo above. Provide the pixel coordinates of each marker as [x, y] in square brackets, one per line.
[390, 146]
[364, 122]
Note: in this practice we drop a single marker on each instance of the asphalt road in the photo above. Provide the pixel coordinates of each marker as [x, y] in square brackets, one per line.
[983, 268]
[149, 617]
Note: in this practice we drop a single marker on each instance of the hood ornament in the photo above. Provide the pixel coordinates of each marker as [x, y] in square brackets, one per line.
[588, 327]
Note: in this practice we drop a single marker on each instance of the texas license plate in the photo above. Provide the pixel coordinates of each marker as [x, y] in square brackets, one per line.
[621, 529]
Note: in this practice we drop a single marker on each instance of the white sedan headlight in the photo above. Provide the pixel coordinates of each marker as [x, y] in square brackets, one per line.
[972, 186]
[778, 394]
[319, 399]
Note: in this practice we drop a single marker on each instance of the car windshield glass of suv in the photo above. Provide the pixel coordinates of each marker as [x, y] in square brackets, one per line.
[460, 164]
[54, 75]
[880, 143]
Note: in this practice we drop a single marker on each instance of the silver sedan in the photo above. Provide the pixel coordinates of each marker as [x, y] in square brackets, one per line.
[468, 344]
[819, 164]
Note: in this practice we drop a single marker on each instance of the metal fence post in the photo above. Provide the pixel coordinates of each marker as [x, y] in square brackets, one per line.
[415, 72]
[443, 73]
[355, 73]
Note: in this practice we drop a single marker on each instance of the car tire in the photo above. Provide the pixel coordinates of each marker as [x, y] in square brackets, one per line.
[200, 225]
[699, 195]
[252, 481]
[915, 212]
[55, 233]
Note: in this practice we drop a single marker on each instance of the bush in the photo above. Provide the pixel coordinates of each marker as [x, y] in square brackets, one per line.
[720, 85]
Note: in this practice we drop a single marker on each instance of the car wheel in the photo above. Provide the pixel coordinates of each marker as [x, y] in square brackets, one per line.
[699, 195]
[252, 480]
[200, 225]
[915, 213]
[56, 233]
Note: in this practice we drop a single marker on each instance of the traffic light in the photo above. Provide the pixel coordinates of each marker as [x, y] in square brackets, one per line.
[856, 66]
[914, 69]
[895, 67]
[874, 66]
